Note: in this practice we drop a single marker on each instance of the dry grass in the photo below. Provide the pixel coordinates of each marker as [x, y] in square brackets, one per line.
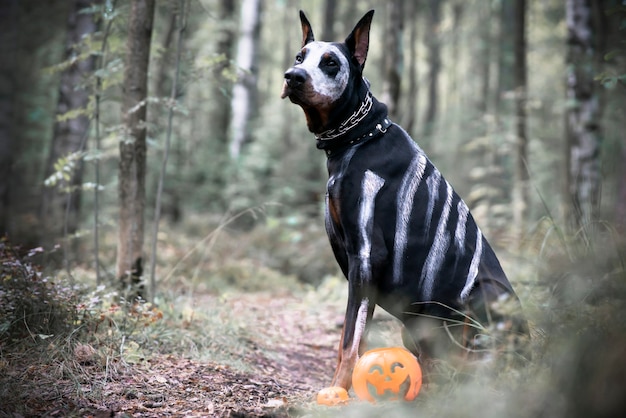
[231, 308]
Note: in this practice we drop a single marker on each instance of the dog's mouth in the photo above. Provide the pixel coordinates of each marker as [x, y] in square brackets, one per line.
[296, 94]
[286, 90]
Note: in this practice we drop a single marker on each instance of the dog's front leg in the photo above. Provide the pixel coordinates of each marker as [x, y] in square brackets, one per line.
[358, 315]
[365, 250]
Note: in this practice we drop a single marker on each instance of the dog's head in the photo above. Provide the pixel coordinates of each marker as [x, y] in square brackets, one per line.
[326, 76]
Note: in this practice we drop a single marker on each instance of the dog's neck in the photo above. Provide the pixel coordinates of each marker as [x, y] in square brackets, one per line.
[349, 123]
[368, 121]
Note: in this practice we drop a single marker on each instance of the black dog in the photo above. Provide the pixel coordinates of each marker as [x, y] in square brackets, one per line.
[403, 238]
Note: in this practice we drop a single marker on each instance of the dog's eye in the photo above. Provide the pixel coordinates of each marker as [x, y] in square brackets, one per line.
[299, 58]
[331, 63]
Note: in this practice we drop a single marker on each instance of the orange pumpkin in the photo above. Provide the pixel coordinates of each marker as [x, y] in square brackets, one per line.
[332, 396]
[387, 374]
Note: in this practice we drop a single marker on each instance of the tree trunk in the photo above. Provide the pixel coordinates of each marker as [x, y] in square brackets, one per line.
[434, 62]
[245, 91]
[393, 58]
[60, 204]
[521, 179]
[455, 73]
[328, 28]
[410, 116]
[8, 49]
[483, 61]
[506, 54]
[219, 109]
[132, 169]
[582, 194]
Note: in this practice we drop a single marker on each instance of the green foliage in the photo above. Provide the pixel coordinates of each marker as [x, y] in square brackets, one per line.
[32, 305]
[64, 169]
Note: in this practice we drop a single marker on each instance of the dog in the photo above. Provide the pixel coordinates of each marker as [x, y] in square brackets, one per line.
[402, 236]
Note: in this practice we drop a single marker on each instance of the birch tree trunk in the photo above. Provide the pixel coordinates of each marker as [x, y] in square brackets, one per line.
[245, 92]
[132, 168]
[582, 190]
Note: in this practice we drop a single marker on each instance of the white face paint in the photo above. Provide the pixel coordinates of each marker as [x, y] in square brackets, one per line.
[323, 84]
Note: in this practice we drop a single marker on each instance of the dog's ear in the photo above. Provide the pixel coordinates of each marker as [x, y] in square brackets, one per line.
[307, 32]
[358, 41]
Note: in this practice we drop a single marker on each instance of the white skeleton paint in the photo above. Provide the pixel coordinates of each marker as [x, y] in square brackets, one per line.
[359, 328]
[433, 193]
[406, 196]
[332, 88]
[369, 189]
[438, 249]
[473, 270]
[459, 233]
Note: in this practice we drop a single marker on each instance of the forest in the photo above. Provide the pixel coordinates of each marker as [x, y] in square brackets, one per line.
[162, 232]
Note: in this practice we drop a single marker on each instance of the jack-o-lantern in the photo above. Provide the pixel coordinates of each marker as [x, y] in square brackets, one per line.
[332, 396]
[387, 374]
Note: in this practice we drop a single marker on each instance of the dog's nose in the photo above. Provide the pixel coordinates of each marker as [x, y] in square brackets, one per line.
[295, 76]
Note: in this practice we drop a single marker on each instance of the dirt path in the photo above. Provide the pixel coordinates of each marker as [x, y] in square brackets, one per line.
[291, 356]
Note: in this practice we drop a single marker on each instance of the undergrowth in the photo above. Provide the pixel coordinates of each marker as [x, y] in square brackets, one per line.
[66, 341]
[63, 342]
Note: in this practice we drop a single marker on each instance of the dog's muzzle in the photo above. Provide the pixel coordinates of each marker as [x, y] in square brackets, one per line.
[294, 80]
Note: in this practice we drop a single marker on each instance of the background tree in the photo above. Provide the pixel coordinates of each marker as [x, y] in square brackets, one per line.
[8, 49]
[413, 23]
[328, 32]
[393, 60]
[132, 168]
[244, 102]
[582, 129]
[433, 42]
[521, 176]
[472, 133]
[61, 200]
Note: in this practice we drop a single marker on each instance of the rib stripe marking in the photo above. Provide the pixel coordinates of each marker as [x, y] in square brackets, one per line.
[406, 197]
[459, 233]
[433, 193]
[438, 249]
[473, 270]
[369, 188]
[359, 329]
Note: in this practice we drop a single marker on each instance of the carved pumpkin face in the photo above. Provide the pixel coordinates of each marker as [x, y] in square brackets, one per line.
[387, 374]
[333, 395]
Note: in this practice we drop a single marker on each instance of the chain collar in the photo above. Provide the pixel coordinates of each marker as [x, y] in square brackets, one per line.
[379, 129]
[349, 123]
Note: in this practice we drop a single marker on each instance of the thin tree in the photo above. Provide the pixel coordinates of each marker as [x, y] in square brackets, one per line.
[328, 27]
[132, 167]
[60, 202]
[182, 25]
[8, 83]
[582, 125]
[521, 179]
[245, 91]
[433, 42]
[393, 59]
[410, 116]
[107, 15]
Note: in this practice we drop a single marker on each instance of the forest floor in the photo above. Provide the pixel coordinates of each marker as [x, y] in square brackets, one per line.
[238, 340]
[289, 354]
